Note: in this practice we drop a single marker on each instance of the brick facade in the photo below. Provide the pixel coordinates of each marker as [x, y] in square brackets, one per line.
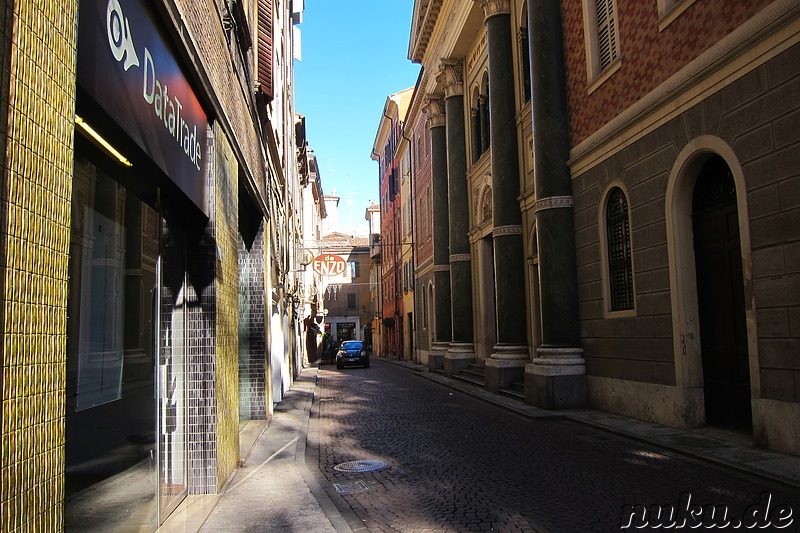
[649, 56]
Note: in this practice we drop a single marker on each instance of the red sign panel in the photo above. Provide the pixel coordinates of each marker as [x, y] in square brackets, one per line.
[329, 265]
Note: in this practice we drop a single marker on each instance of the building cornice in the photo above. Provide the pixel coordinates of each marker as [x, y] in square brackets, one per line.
[426, 13]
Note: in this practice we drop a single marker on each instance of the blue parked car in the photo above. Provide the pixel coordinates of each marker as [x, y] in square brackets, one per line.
[352, 353]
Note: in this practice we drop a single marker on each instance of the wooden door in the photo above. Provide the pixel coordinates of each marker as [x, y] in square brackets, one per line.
[720, 291]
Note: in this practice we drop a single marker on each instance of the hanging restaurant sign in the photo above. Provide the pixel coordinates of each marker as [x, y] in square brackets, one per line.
[127, 67]
[329, 265]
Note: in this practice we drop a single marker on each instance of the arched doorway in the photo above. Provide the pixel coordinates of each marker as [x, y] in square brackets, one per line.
[720, 297]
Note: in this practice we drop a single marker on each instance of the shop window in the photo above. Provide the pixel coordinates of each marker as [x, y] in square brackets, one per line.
[100, 352]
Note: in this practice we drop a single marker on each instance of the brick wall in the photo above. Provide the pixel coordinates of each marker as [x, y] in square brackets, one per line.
[36, 192]
[230, 88]
[649, 56]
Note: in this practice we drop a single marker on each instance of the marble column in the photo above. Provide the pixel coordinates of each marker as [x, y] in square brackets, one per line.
[461, 351]
[510, 354]
[556, 378]
[443, 333]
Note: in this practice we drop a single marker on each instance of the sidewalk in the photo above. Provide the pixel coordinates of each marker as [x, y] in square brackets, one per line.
[724, 448]
[276, 492]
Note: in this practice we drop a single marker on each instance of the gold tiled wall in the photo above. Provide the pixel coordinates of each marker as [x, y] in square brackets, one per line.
[226, 210]
[37, 181]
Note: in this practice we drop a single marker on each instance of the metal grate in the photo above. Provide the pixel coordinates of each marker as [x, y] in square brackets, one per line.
[360, 466]
[619, 251]
[351, 488]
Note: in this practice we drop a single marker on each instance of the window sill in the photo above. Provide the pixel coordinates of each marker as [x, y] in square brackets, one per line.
[603, 76]
[626, 313]
[673, 13]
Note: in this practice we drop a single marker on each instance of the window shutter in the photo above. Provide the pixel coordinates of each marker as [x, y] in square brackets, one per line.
[606, 32]
[266, 23]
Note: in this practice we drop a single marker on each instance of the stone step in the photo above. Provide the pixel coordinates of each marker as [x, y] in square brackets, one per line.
[513, 393]
[471, 379]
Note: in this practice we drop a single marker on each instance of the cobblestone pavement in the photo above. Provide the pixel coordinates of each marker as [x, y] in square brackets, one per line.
[455, 464]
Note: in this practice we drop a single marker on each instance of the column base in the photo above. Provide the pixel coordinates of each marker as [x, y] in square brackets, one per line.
[506, 366]
[436, 356]
[458, 357]
[557, 380]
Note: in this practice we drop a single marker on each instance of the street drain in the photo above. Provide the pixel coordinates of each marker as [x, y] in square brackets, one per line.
[351, 488]
[360, 466]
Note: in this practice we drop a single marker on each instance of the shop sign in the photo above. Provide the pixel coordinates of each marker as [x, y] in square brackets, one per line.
[126, 66]
[329, 265]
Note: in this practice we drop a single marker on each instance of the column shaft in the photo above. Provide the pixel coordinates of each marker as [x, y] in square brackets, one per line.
[460, 269]
[508, 257]
[554, 218]
[441, 235]
[557, 377]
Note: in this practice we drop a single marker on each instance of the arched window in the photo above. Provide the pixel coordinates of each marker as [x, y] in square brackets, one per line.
[620, 268]
[483, 108]
[475, 125]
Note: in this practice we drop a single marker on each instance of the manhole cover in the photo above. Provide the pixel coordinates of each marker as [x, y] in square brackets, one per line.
[351, 488]
[360, 466]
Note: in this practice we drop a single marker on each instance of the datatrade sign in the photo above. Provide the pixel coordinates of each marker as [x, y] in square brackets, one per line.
[127, 67]
[329, 265]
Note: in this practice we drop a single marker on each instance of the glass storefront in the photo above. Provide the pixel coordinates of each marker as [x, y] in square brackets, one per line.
[126, 392]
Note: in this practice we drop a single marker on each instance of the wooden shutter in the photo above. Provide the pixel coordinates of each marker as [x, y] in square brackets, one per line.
[266, 32]
[606, 32]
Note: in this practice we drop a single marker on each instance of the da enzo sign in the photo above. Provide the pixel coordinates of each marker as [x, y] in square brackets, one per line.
[329, 265]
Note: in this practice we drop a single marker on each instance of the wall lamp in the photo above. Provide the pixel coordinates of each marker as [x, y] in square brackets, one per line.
[92, 133]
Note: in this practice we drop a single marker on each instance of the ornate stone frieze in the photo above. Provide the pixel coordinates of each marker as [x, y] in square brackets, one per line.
[501, 231]
[457, 258]
[495, 7]
[554, 202]
[453, 71]
[436, 111]
[441, 268]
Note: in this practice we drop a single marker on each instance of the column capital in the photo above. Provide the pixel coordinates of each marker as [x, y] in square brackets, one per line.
[495, 7]
[436, 110]
[452, 71]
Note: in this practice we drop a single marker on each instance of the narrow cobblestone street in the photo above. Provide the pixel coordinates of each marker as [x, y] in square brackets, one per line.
[457, 464]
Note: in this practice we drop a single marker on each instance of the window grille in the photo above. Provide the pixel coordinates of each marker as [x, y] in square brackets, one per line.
[620, 270]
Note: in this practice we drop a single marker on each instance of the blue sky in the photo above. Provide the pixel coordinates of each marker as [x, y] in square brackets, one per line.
[354, 56]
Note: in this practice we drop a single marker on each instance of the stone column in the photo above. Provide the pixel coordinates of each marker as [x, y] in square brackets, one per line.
[462, 349]
[557, 376]
[443, 331]
[510, 354]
